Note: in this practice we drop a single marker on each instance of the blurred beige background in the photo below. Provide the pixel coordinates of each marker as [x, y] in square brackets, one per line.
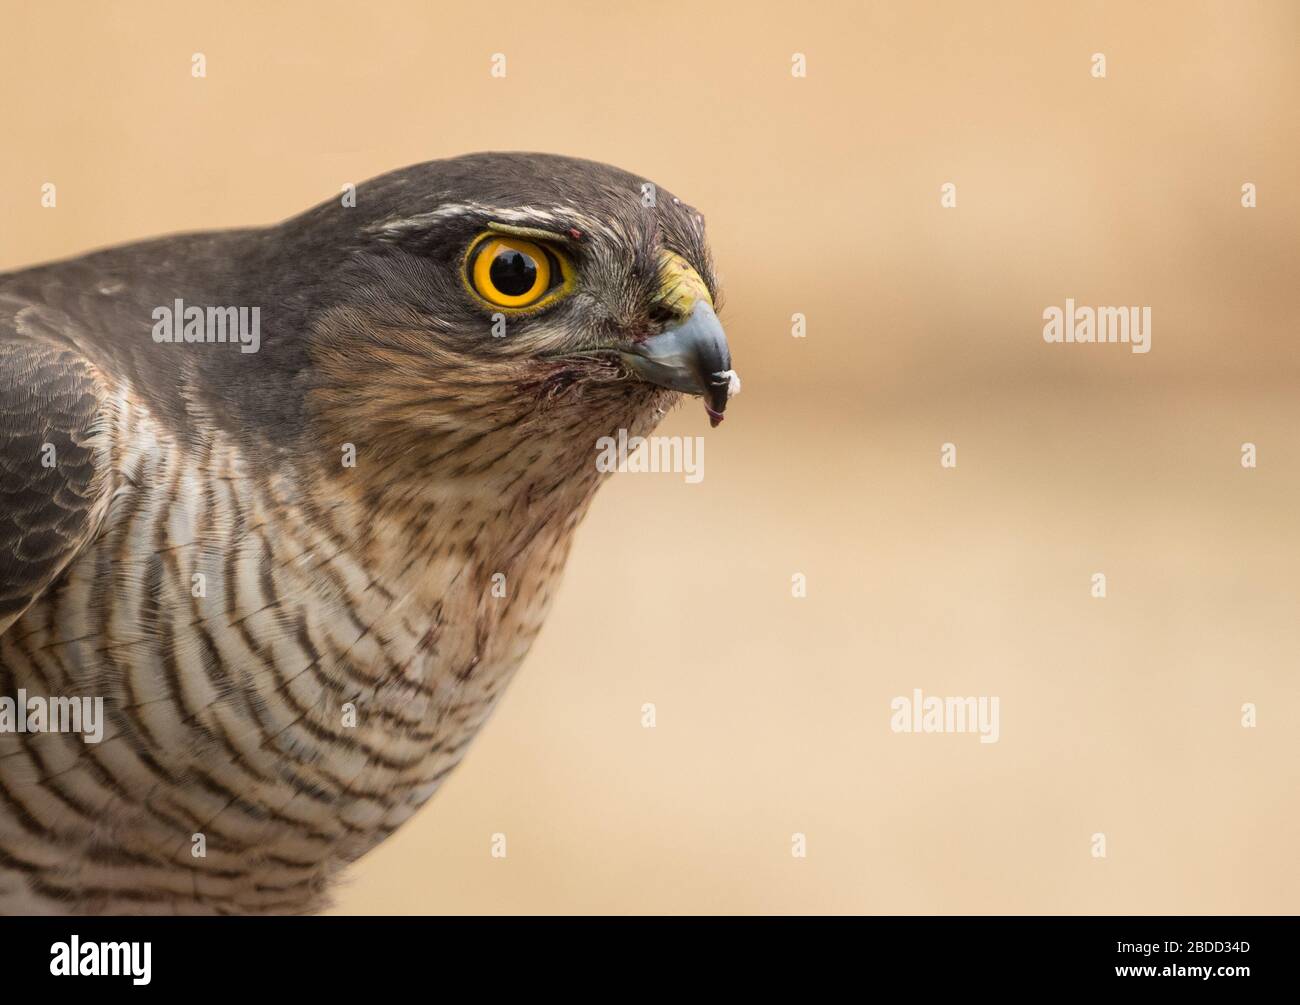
[1119, 715]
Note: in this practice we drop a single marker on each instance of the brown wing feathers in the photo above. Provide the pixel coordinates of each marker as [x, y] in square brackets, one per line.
[50, 484]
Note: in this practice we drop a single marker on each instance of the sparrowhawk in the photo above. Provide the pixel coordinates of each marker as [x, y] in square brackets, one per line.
[293, 503]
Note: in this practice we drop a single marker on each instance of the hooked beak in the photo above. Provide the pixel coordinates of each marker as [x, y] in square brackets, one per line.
[690, 355]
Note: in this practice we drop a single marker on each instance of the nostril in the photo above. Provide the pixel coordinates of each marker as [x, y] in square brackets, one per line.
[661, 315]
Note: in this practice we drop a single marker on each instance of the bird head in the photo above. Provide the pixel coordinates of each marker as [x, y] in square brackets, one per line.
[466, 308]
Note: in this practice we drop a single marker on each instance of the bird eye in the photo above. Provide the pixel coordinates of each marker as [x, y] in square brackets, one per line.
[513, 273]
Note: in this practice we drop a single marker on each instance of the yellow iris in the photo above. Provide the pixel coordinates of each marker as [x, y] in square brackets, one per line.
[512, 272]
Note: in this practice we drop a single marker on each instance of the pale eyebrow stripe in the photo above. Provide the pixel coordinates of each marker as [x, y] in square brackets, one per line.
[517, 220]
[536, 233]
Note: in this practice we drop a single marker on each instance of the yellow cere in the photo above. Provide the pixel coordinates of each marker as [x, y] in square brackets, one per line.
[680, 286]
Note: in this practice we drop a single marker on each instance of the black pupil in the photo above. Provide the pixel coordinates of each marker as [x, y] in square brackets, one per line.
[513, 273]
